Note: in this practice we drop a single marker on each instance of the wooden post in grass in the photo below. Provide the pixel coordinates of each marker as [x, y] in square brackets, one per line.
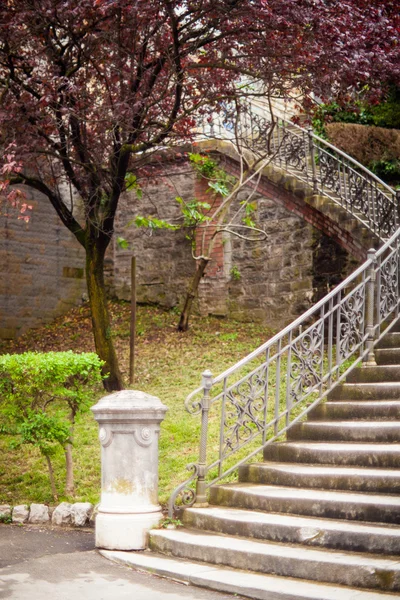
[133, 322]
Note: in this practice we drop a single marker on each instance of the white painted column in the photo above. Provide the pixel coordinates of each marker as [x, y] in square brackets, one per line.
[129, 426]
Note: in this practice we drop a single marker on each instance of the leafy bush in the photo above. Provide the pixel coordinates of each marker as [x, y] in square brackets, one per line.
[385, 114]
[40, 396]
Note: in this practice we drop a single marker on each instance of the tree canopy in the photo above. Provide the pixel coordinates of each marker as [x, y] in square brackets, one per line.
[89, 87]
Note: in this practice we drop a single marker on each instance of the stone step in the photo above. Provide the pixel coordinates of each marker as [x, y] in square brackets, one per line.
[238, 582]
[358, 479]
[387, 356]
[380, 373]
[366, 391]
[328, 504]
[390, 340]
[310, 531]
[396, 326]
[330, 566]
[348, 431]
[341, 453]
[356, 409]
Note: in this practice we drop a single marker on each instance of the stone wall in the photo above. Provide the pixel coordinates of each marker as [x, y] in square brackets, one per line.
[42, 265]
[269, 281]
[164, 260]
[41, 269]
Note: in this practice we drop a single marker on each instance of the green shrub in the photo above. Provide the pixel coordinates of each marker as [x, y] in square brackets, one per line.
[40, 396]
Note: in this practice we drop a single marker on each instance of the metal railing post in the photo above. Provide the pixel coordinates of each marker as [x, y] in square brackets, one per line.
[369, 359]
[313, 164]
[397, 211]
[201, 496]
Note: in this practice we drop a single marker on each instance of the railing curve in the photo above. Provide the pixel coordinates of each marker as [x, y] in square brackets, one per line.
[332, 173]
[325, 169]
[256, 401]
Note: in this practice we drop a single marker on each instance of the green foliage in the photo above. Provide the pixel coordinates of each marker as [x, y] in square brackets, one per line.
[219, 181]
[122, 243]
[152, 223]
[388, 170]
[45, 432]
[235, 273]
[250, 209]
[131, 184]
[5, 519]
[169, 523]
[205, 166]
[192, 212]
[41, 394]
[385, 114]
[36, 380]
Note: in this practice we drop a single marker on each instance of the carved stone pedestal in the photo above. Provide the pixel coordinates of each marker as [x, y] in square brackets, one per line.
[129, 425]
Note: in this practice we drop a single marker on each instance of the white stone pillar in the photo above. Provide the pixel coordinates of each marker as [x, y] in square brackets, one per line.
[129, 426]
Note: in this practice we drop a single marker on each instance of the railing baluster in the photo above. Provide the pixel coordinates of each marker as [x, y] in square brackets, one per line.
[277, 386]
[313, 160]
[322, 317]
[338, 327]
[289, 402]
[370, 300]
[330, 340]
[222, 429]
[201, 496]
[264, 436]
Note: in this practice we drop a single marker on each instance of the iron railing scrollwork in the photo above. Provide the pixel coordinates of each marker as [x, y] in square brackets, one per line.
[326, 169]
[254, 402]
[257, 400]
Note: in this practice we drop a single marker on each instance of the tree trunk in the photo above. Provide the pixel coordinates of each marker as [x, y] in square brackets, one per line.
[191, 294]
[95, 251]
[69, 463]
[52, 480]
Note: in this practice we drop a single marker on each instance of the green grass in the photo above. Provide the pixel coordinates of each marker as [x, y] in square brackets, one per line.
[168, 365]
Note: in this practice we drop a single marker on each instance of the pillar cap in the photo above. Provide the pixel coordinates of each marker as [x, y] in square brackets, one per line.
[129, 402]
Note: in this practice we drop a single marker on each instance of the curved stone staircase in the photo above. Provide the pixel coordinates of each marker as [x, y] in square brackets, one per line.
[319, 518]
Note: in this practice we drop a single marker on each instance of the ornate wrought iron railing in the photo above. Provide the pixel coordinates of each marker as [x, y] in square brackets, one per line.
[255, 402]
[327, 171]
[333, 174]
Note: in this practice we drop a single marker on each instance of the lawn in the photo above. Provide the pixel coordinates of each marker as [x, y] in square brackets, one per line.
[168, 365]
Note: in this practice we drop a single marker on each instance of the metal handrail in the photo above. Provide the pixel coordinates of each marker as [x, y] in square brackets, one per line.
[343, 154]
[275, 386]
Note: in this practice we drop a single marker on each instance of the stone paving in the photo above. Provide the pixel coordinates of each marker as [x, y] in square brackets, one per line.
[43, 562]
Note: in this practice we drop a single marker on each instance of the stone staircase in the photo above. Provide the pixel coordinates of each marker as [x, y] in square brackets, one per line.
[318, 519]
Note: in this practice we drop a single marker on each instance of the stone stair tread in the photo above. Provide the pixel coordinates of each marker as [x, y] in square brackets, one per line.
[239, 582]
[347, 430]
[358, 424]
[385, 390]
[365, 403]
[340, 446]
[367, 454]
[374, 374]
[313, 494]
[349, 410]
[320, 469]
[338, 567]
[305, 522]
